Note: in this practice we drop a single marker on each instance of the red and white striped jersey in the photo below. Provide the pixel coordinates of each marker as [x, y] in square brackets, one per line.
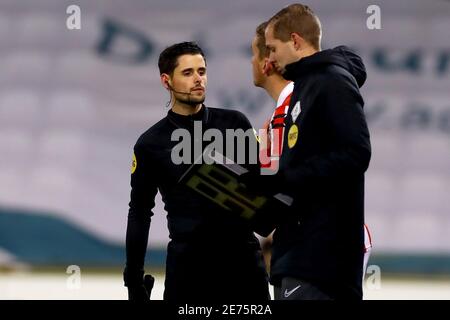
[275, 127]
[367, 247]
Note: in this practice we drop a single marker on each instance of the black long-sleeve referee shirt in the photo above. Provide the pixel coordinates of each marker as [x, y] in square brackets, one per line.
[212, 255]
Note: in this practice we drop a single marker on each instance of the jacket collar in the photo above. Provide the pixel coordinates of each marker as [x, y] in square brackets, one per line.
[299, 68]
[187, 121]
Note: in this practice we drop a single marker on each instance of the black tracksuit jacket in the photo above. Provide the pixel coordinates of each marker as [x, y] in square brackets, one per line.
[323, 171]
[212, 255]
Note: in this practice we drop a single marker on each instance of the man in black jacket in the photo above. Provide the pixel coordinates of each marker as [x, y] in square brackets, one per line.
[212, 255]
[318, 249]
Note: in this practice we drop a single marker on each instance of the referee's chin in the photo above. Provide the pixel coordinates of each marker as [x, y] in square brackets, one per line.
[194, 101]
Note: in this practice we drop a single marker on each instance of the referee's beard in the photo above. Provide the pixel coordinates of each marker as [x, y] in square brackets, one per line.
[190, 99]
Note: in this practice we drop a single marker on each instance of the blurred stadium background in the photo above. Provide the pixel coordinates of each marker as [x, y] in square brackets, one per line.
[73, 102]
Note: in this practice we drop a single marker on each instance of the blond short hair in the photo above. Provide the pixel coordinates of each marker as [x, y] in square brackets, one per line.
[300, 19]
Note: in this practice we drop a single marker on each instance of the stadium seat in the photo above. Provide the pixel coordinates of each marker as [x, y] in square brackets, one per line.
[417, 232]
[20, 108]
[426, 193]
[381, 191]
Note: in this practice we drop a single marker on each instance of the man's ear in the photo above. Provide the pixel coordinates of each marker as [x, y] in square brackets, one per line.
[165, 80]
[268, 67]
[297, 40]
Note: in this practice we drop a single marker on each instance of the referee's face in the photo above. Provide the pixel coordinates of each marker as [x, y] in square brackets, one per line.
[189, 79]
[280, 53]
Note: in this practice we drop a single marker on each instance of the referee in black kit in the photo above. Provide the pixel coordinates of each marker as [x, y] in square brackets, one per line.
[212, 256]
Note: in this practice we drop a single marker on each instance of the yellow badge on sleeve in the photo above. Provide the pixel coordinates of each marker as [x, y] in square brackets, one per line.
[133, 164]
[292, 136]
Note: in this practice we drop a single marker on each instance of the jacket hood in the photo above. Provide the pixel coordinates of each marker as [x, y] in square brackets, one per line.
[341, 56]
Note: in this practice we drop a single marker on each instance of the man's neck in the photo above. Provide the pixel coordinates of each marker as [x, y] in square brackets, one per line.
[274, 85]
[308, 51]
[185, 109]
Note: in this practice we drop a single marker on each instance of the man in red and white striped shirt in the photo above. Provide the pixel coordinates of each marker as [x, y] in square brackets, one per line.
[268, 78]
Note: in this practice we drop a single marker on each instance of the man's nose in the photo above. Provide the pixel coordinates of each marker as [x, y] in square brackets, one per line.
[197, 78]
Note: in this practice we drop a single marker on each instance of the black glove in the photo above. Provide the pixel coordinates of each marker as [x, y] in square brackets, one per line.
[138, 293]
[139, 285]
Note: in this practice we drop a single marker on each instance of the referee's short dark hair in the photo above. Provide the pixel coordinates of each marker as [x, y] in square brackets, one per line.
[168, 59]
